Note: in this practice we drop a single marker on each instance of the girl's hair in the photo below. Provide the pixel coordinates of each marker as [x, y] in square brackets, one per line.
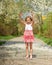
[28, 17]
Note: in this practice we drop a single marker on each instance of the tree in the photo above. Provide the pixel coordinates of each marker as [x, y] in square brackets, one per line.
[47, 26]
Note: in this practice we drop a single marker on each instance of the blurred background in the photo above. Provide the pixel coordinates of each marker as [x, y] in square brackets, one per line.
[10, 25]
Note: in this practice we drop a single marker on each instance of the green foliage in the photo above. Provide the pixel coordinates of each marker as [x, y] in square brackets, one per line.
[9, 28]
[47, 26]
[2, 42]
[35, 29]
[45, 39]
[4, 30]
[6, 37]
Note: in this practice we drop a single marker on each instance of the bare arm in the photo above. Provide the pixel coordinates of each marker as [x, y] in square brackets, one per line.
[21, 20]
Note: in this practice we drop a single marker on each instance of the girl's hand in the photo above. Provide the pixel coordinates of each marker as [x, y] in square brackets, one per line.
[21, 19]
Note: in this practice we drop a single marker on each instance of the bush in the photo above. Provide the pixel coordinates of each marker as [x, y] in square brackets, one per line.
[47, 26]
[20, 29]
[9, 28]
[45, 39]
[35, 29]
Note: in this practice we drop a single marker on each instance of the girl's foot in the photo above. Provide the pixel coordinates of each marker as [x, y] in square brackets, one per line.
[30, 56]
[27, 57]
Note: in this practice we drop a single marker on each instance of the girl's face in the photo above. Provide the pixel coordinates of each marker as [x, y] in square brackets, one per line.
[28, 20]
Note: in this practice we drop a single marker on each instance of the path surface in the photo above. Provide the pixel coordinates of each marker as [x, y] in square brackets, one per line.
[13, 53]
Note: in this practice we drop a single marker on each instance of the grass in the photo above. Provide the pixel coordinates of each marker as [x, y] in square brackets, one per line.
[6, 37]
[46, 40]
[3, 38]
[2, 42]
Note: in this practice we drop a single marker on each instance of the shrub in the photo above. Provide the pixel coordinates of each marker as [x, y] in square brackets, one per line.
[47, 26]
[9, 28]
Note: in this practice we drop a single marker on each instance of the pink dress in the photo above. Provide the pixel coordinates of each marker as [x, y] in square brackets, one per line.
[28, 33]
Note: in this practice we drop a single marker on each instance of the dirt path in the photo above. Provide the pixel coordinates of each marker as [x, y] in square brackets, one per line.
[13, 53]
[38, 44]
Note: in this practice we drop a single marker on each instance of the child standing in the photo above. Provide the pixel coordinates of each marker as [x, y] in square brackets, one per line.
[28, 33]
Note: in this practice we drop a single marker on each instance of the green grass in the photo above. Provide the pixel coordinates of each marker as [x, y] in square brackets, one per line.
[46, 40]
[2, 42]
[6, 37]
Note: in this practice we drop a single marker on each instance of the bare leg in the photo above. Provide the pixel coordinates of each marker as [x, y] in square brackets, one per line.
[30, 50]
[26, 49]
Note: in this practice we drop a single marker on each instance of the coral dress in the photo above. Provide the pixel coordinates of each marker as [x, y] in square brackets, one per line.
[28, 33]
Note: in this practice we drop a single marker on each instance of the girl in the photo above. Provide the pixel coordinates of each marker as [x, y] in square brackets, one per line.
[28, 33]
